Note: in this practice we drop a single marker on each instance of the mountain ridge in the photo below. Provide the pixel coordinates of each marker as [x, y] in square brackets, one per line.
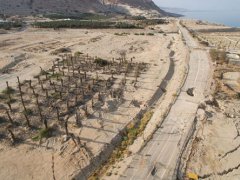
[32, 7]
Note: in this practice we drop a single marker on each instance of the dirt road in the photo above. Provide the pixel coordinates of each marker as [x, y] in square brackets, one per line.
[157, 160]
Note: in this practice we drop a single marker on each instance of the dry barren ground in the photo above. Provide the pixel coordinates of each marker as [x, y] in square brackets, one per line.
[216, 147]
[60, 157]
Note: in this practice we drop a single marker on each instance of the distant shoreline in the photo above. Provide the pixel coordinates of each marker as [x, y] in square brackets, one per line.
[228, 18]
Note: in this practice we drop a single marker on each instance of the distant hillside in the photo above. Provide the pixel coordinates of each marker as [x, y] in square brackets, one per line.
[28, 7]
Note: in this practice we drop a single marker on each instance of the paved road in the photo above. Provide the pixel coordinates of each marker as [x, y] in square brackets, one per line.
[158, 158]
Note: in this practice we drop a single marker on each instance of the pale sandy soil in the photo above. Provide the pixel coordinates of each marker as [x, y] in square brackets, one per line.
[202, 25]
[55, 156]
[216, 148]
[221, 40]
[160, 109]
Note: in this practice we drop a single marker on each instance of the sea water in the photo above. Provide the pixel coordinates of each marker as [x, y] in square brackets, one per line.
[228, 18]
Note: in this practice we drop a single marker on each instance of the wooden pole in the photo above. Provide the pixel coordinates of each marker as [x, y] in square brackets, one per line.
[13, 139]
[9, 106]
[45, 123]
[9, 117]
[66, 127]
[27, 120]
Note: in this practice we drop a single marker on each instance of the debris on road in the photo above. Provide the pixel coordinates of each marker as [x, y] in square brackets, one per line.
[190, 91]
[154, 170]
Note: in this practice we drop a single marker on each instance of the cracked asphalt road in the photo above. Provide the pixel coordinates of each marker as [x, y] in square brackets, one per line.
[158, 159]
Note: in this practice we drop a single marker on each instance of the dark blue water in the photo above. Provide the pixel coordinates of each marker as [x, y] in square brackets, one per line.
[229, 18]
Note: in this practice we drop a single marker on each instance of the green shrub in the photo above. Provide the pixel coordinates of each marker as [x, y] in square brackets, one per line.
[79, 16]
[74, 24]
[78, 53]
[138, 18]
[124, 25]
[43, 133]
[10, 25]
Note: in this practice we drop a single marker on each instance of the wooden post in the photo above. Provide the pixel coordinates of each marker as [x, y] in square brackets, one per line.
[13, 139]
[18, 81]
[86, 111]
[62, 82]
[92, 103]
[9, 106]
[60, 94]
[27, 120]
[39, 109]
[9, 117]
[99, 96]
[30, 83]
[81, 80]
[41, 83]
[89, 87]
[76, 100]
[78, 121]
[50, 81]
[46, 91]
[7, 85]
[66, 127]
[68, 106]
[45, 123]
[25, 109]
[68, 65]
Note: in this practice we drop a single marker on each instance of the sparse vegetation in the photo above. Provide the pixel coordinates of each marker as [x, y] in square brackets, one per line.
[58, 91]
[80, 16]
[121, 34]
[43, 133]
[130, 134]
[61, 50]
[138, 18]
[78, 53]
[150, 34]
[92, 24]
[10, 25]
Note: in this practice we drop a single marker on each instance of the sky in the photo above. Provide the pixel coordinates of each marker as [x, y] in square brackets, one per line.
[200, 4]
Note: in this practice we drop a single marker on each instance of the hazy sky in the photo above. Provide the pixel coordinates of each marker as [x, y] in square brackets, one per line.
[201, 4]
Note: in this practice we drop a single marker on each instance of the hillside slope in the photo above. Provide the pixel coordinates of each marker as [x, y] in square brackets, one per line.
[28, 7]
